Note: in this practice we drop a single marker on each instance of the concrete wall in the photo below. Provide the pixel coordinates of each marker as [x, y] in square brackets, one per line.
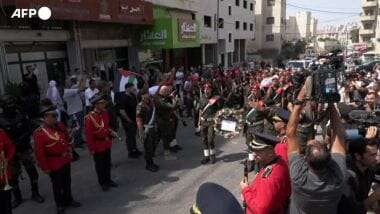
[292, 30]
[262, 12]
[238, 13]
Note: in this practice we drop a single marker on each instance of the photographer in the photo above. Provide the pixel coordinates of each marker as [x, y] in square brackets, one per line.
[317, 177]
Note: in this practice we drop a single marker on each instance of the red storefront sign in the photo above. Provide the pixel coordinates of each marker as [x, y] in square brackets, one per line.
[118, 11]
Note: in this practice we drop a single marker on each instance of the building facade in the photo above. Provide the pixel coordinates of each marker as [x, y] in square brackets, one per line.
[301, 26]
[226, 29]
[270, 31]
[81, 35]
[369, 32]
[368, 20]
[292, 30]
[174, 37]
[304, 24]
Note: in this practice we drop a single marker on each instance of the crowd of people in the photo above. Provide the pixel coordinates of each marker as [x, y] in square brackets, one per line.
[299, 161]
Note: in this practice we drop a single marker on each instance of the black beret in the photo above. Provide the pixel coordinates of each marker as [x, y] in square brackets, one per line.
[262, 141]
[47, 109]
[215, 199]
[97, 98]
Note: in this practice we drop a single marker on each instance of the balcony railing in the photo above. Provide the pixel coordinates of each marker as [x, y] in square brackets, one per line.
[365, 18]
[366, 31]
[366, 3]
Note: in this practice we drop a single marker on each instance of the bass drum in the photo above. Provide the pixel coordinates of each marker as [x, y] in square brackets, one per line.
[229, 123]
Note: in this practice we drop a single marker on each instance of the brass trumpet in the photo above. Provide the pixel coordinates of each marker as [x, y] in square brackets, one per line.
[3, 171]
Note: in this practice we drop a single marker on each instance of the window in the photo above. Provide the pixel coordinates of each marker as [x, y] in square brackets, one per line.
[270, 20]
[221, 23]
[229, 37]
[269, 38]
[245, 26]
[283, 21]
[270, 3]
[207, 21]
[229, 10]
[251, 27]
[251, 6]
[237, 25]
[245, 4]
[237, 3]
[192, 16]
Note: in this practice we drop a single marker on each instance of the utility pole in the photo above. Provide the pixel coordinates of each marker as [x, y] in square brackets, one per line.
[217, 31]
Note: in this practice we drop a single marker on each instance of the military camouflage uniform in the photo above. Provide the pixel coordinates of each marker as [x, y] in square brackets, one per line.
[207, 127]
[19, 128]
[166, 120]
[144, 112]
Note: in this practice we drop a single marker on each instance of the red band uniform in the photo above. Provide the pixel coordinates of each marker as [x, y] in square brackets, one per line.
[7, 151]
[99, 141]
[53, 152]
[269, 192]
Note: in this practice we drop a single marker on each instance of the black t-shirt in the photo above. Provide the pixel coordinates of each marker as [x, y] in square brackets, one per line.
[128, 103]
[360, 184]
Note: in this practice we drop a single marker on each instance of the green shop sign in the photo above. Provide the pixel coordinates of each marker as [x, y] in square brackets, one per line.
[168, 33]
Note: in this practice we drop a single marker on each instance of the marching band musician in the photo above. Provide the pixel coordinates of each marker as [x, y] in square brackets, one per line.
[269, 192]
[7, 152]
[53, 152]
[19, 128]
[99, 139]
[209, 106]
[254, 120]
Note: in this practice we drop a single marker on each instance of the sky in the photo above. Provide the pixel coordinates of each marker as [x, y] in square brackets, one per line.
[339, 7]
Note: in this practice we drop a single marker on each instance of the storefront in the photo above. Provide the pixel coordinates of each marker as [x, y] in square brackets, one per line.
[80, 35]
[175, 35]
[43, 48]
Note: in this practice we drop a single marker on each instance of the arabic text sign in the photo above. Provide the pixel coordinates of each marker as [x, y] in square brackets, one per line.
[154, 35]
[188, 30]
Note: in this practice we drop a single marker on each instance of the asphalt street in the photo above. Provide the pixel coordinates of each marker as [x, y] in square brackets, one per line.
[171, 190]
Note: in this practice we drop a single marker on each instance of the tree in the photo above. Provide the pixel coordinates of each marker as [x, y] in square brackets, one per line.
[354, 34]
[292, 50]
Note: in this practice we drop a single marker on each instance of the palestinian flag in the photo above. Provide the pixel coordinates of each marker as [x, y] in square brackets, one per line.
[127, 77]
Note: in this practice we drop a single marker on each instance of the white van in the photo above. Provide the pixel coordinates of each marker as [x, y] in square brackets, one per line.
[295, 64]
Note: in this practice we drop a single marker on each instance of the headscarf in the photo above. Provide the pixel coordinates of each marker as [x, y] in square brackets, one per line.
[53, 94]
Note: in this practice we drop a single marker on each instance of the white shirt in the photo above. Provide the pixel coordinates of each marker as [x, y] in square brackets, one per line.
[73, 100]
[179, 78]
[88, 94]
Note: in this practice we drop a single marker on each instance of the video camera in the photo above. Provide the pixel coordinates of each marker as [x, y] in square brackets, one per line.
[364, 119]
[325, 85]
